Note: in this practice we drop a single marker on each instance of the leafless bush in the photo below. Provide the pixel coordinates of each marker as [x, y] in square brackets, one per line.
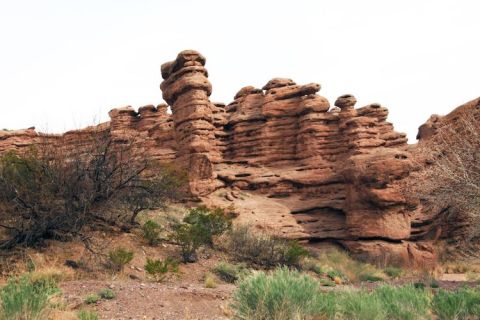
[55, 189]
[451, 176]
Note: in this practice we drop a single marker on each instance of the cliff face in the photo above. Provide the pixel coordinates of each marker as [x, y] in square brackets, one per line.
[289, 162]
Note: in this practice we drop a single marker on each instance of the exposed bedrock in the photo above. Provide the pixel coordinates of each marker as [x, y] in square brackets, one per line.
[289, 162]
[186, 89]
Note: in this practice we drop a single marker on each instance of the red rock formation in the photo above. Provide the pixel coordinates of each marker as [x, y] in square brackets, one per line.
[186, 89]
[288, 162]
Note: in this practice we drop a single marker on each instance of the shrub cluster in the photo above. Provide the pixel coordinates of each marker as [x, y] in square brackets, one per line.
[230, 273]
[199, 228]
[263, 250]
[287, 294]
[105, 293]
[151, 232]
[87, 315]
[23, 299]
[158, 269]
[119, 257]
[51, 192]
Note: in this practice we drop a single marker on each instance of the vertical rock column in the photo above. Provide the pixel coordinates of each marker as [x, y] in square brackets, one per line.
[186, 89]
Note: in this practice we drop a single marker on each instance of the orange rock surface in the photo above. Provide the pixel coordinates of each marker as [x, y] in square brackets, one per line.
[288, 161]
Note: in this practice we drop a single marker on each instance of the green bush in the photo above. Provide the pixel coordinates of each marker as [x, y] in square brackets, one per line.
[119, 257]
[107, 294]
[92, 298]
[199, 228]
[263, 250]
[151, 232]
[210, 222]
[189, 237]
[294, 253]
[283, 294]
[22, 299]
[229, 272]
[463, 303]
[158, 269]
[87, 315]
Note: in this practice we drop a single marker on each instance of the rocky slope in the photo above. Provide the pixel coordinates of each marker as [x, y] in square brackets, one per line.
[289, 162]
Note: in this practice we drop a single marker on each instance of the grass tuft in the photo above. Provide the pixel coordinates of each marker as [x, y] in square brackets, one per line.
[87, 315]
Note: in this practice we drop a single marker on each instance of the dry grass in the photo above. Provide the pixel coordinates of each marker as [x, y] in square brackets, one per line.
[210, 281]
[338, 264]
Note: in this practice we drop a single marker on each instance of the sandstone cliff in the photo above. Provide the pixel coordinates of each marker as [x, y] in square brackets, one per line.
[288, 161]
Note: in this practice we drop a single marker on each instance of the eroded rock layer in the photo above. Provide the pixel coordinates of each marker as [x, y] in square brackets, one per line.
[288, 161]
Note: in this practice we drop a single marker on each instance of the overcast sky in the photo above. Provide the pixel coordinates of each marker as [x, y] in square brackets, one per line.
[65, 64]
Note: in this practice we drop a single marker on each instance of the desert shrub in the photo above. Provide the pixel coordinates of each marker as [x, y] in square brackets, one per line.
[87, 315]
[92, 298]
[294, 253]
[463, 303]
[229, 272]
[107, 294]
[393, 272]
[51, 192]
[151, 232]
[119, 257]
[283, 294]
[189, 237]
[210, 222]
[199, 228]
[158, 269]
[403, 303]
[263, 249]
[49, 276]
[209, 281]
[22, 299]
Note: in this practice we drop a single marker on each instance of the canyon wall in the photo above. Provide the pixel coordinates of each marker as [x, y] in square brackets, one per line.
[289, 162]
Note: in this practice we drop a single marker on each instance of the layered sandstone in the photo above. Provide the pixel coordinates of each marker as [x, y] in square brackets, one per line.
[186, 89]
[288, 161]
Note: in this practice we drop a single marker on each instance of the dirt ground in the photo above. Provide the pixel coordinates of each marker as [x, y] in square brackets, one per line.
[159, 301]
[181, 296]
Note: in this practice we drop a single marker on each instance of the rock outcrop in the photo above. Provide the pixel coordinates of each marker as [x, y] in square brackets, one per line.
[186, 89]
[289, 162]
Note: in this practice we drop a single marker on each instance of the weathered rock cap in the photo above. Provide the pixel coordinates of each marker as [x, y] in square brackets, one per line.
[346, 101]
[278, 83]
[245, 91]
[147, 109]
[185, 58]
[120, 111]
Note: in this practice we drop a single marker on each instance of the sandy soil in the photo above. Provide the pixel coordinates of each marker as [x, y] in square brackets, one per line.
[139, 300]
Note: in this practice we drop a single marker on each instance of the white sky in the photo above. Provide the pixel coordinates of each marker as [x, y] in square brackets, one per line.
[65, 64]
